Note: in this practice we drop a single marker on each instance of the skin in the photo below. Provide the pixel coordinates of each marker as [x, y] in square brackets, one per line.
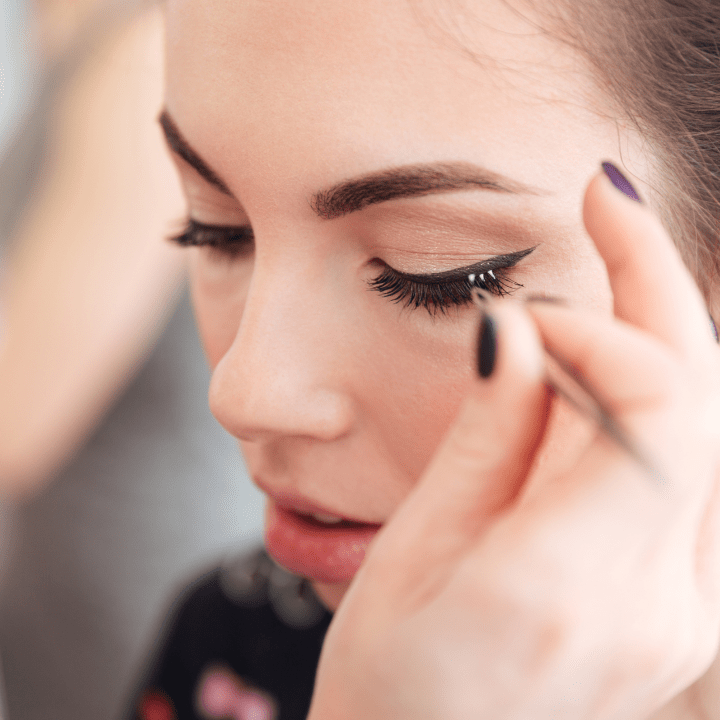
[283, 100]
[308, 399]
[90, 232]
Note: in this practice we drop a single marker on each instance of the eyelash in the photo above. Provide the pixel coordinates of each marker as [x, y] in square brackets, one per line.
[228, 242]
[414, 291]
[440, 295]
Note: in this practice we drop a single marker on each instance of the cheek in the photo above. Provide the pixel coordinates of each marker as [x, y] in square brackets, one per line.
[218, 290]
[420, 382]
[331, 595]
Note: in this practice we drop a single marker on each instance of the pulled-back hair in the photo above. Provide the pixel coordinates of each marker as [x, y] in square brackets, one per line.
[659, 62]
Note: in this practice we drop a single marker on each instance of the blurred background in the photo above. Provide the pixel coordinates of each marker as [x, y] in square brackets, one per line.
[117, 486]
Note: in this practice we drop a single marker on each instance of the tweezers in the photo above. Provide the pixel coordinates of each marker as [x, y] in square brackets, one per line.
[563, 380]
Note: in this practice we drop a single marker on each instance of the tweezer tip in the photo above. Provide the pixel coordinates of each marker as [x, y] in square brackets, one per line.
[480, 297]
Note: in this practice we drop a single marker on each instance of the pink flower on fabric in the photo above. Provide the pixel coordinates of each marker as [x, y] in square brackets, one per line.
[224, 695]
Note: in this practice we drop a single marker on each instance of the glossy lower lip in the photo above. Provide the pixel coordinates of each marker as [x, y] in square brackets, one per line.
[326, 554]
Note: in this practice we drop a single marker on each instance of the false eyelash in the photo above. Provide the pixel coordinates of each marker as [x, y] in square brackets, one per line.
[228, 241]
[437, 296]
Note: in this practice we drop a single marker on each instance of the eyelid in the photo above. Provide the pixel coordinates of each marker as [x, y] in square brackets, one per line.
[498, 262]
[437, 292]
[203, 234]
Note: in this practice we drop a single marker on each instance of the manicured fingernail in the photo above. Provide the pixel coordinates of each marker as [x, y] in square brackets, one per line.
[487, 345]
[620, 181]
[714, 329]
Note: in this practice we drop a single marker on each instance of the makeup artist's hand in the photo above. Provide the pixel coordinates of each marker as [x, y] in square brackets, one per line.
[499, 593]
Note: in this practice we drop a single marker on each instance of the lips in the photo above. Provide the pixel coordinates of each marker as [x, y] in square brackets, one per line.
[311, 542]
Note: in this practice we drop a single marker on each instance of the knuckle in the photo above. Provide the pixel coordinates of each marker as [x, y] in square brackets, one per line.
[538, 622]
[671, 649]
[474, 443]
[697, 649]
[664, 384]
[648, 652]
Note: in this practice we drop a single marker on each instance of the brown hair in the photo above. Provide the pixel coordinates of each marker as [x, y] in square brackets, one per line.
[659, 62]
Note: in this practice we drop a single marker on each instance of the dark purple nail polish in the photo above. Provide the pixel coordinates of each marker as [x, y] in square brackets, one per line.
[620, 181]
[487, 345]
[714, 329]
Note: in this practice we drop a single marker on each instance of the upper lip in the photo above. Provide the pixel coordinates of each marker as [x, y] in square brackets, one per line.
[297, 503]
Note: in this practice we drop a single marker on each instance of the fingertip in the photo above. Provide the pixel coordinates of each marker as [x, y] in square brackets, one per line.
[605, 208]
[504, 418]
[487, 345]
[652, 288]
[622, 227]
[509, 345]
[620, 182]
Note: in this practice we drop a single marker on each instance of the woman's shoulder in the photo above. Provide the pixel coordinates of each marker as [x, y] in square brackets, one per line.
[247, 616]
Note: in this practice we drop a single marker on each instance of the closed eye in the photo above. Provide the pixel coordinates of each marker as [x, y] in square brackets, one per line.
[226, 241]
[437, 292]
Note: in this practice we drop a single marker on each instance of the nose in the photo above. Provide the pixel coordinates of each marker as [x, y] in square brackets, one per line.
[287, 370]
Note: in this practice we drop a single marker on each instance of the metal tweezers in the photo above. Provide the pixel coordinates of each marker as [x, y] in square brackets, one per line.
[566, 383]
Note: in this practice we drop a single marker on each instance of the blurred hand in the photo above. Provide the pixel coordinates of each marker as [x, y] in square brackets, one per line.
[90, 277]
[59, 24]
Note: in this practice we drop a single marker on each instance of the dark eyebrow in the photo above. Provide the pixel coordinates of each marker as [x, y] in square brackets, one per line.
[413, 181]
[180, 146]
[352, 195]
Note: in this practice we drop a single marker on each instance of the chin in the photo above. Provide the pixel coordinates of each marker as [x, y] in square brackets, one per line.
[331, 594]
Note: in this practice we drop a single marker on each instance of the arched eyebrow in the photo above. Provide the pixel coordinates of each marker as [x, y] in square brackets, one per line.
[358, 193]
[413, 181]
[180, 146]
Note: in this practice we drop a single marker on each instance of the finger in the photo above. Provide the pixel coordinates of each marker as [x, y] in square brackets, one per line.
[652, 287]
[601, 524]
[482, 461]
[603, 513]
[634, 377]
[627, 371]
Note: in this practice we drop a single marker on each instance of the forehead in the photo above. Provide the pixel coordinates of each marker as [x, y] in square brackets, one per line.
[298, 87]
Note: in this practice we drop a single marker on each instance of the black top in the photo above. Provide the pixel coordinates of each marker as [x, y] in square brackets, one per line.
[252, 620]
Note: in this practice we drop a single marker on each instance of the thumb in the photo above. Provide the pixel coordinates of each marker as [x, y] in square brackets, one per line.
[483, 460]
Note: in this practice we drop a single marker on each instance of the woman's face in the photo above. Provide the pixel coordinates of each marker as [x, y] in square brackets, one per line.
[366, 141]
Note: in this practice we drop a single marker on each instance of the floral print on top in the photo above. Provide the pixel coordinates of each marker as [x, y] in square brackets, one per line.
[241, 643]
